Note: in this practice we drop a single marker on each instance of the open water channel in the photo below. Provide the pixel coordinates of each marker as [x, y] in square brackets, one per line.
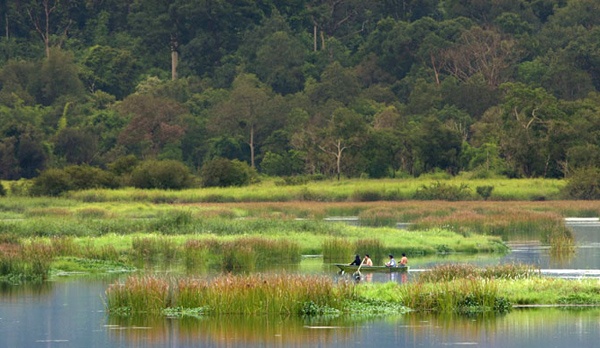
[71, 313]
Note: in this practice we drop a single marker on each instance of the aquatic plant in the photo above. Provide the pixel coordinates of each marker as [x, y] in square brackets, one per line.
[230, 294]
[461, 295]
[372, 246]
[25, 262]
[337, 250]
[449, 272]
[139, 294]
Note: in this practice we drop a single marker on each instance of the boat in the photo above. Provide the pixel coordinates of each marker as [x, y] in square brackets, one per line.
[370, 269]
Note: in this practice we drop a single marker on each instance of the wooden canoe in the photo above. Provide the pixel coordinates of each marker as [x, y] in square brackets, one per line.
[371, 269]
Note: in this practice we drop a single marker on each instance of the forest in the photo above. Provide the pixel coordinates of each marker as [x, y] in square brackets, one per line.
[351, 88]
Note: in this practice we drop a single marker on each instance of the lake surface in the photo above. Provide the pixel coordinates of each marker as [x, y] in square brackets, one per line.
[70, 313]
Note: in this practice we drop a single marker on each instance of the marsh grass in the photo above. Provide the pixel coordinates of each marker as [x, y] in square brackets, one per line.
[64, 246]
[449, 272]
[338, 250]
[139, 294]
[508, 223]
[464, 295]
[270, 190]
[372, 246]
[93, 213]
[295, 295]
[153, 249]
[378, 217]
[25, 262]
[464, 288]
[173, 222]
[196, 254]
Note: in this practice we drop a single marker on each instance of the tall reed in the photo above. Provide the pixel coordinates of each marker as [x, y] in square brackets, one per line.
[153, 249]
[337, 250]
[379, 217]
[461, 295]
[449, 272]
[196, 253]
[139, 294]
[25, 262]
[372, 246]
[229, 294]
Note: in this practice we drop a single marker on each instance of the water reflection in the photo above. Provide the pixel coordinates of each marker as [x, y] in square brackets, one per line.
[230, 331]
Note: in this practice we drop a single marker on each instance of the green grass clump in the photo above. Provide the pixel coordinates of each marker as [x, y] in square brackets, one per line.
[337, 250]
[228, 294]
[25, 262]
[449, 272]
[139, 294]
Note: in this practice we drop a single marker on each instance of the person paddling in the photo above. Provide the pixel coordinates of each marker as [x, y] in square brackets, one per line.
[367, 260]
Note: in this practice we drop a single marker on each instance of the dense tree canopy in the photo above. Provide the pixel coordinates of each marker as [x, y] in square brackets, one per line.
[333, 87]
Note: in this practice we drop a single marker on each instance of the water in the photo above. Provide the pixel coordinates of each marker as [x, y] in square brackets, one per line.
[70, 313]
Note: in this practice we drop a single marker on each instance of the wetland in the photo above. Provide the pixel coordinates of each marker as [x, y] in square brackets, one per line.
[83, 248]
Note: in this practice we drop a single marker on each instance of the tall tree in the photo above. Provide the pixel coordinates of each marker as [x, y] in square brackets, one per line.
[155, 124]
[336, 133]
[245, 111]
[49, 19]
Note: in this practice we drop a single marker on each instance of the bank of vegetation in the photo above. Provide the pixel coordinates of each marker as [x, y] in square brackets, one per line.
[456, 289]
[179, 94]
[126, 229]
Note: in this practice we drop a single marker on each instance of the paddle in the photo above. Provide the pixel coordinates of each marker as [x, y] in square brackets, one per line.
[358, 270]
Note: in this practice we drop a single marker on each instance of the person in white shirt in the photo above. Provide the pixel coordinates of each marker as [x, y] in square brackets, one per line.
[392, 262]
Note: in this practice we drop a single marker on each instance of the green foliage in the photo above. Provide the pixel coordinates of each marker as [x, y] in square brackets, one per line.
[484, 191]
[287, 164]
[584, 184]
[54, 182]
[51, 182]
[166, 174]
[381, 88]
[443, 191]
[86, 177]
[2, 190]
[222, 172]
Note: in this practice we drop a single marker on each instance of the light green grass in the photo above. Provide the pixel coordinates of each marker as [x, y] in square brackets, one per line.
[329, 191]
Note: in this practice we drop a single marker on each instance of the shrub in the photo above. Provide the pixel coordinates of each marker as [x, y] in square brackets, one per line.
[275, 164]
[20, 187]
[51, 182]
[484, 191]
[86, 177]
[54, 182]
[167, 174]
[441, 191]
[584, 184]
[221, 172]
[2, 190]
[123, 165]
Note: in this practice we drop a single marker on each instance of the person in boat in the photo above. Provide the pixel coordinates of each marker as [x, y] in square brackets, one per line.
[356, 261]
[367, 260]
[404, 260]
[391, 262]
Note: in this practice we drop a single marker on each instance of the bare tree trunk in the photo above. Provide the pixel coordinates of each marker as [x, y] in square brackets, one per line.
[322, 40]
[43, 30]
[174, 62]
[174, 57]
[252, 145]
[435, 70]
[314, 37]
[339, 160]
